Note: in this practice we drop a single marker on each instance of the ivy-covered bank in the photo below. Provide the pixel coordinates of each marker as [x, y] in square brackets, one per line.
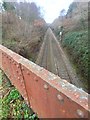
[76, 43]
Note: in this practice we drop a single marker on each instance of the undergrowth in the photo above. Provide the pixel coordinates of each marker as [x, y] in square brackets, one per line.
[76, 44]
[13, 105]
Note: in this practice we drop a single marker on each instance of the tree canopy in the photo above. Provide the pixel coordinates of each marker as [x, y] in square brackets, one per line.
[8, 6]
[26, 11]
[72, 7]
[62, 12]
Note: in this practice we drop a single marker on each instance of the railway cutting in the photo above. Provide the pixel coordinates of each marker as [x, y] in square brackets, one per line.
[53, 58]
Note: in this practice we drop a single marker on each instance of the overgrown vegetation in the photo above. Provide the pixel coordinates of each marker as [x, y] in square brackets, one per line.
[0, 94]
[23, 29]
[19, 32]
[77, 45]
[75, 37]
[72, 7]
[13, 105]
[8, 6]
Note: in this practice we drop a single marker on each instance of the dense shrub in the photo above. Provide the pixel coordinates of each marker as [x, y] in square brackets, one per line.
[77, 45]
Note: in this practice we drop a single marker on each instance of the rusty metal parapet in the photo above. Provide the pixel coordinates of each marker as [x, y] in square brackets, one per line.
[47, 94]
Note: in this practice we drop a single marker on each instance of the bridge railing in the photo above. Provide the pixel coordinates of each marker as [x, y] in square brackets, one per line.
[47, 94]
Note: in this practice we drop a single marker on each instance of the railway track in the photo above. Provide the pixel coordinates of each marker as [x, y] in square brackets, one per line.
[52, 58]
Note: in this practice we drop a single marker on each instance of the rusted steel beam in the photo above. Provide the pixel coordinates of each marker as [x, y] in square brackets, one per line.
[47, 94]
[12, 69]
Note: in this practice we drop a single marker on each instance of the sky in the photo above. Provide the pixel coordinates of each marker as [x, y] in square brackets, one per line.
[52, 8]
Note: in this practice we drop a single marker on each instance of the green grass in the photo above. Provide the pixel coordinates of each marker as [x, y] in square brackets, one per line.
[19, 108]
[12, 105]
[76, 44]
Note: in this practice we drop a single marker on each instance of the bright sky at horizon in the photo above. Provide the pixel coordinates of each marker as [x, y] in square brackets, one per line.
[52, 8]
